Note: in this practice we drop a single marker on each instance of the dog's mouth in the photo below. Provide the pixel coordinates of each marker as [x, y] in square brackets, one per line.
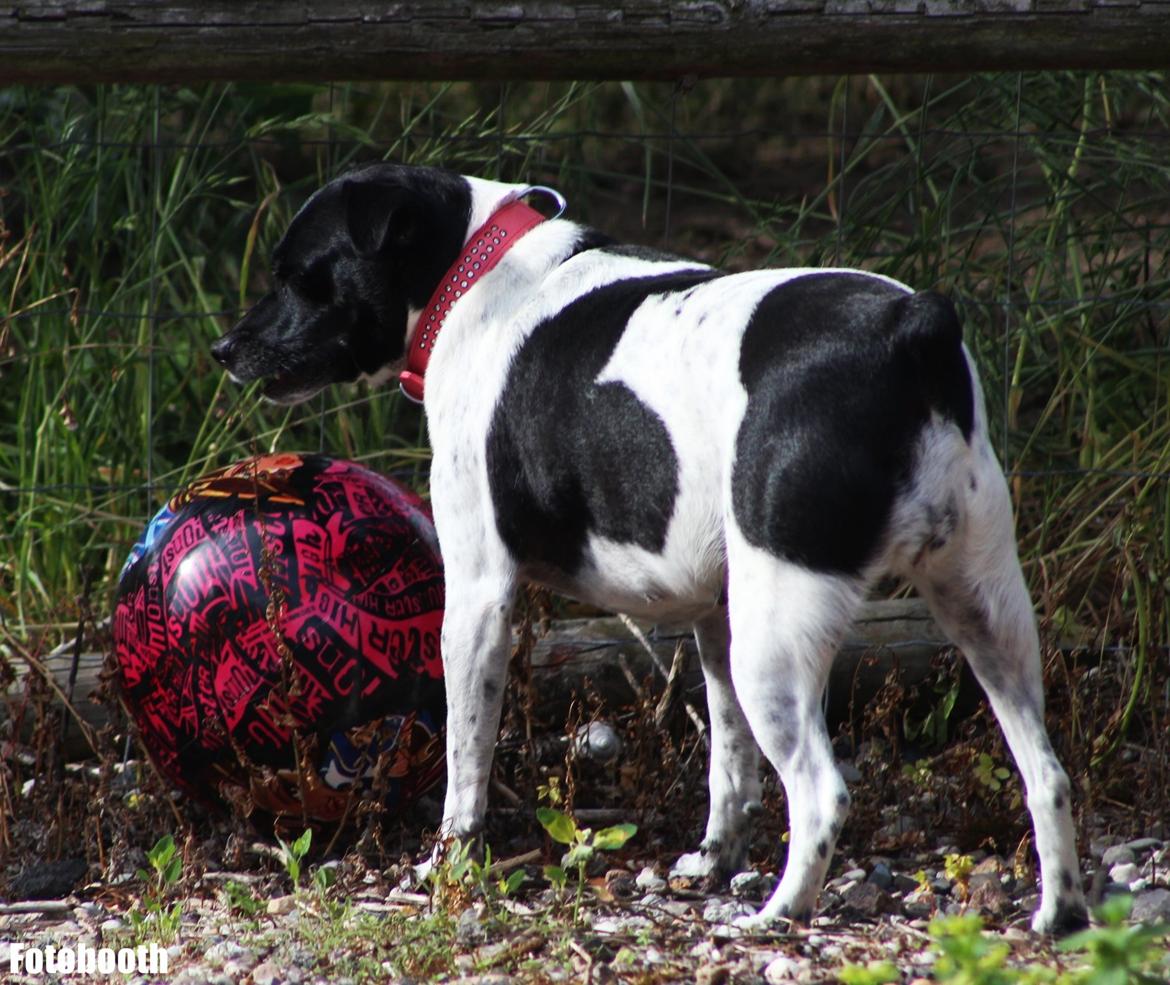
[288, 389]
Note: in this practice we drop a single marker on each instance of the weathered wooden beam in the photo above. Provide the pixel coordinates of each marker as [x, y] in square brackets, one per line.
[573, 655]
[60, 41]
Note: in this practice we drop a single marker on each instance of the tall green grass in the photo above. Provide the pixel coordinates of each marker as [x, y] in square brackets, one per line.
[137, 222]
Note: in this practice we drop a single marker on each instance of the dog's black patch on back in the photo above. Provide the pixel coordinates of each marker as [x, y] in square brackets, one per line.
[567, 456]
[842, 372]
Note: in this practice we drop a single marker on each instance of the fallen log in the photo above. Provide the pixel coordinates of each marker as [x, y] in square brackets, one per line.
[600, 655]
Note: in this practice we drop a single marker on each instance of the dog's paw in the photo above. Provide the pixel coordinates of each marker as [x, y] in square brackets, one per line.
[1066, 917]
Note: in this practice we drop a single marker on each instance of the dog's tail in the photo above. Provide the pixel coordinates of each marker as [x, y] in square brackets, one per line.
[927, 332]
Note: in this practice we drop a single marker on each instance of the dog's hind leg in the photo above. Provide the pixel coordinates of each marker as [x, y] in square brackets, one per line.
[734, 772]
[786, 625]
[975, 588]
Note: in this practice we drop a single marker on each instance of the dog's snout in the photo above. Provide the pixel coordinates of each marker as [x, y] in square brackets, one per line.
[221, 349]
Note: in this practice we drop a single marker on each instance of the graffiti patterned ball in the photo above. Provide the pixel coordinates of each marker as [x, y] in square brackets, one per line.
[276, 633]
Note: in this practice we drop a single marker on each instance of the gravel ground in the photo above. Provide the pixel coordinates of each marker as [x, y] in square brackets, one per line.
[638, 923]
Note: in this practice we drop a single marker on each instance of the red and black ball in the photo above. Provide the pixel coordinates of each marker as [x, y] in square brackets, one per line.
[276, 632]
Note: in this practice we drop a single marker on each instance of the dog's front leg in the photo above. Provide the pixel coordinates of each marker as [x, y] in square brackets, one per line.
[476, 642]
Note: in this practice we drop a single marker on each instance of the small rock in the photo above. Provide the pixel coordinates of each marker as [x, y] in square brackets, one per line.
[988, 897]
[1152, 906]
[692, 865]
[112, 926]
[48, 880]
[849, 772]
[1098, 846]
[621, 884]
[869, 900]
[713, 974]
[650, 881]
[992, 865]
[240, 965]
[281, 906]
[881, 876]
[266, 973]
[1117, 855]
[904, 883]
[854, 875]
[748, 884]
[469, 931]
[718, 911]
[1126, 873]
[781, 969]
[220, 954]
[1143, 844]
[598, 742]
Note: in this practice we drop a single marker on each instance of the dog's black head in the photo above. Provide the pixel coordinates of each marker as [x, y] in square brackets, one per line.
[364, 251]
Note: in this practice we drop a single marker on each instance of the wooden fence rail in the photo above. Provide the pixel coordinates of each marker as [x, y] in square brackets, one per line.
[84, 41]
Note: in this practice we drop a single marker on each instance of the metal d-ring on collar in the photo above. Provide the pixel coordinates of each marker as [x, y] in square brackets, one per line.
[552, 193]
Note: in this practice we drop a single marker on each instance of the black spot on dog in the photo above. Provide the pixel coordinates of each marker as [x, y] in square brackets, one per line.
[1066, 881]
[1058, 801]
[842, 372]
[579, 456]
[823, 848]
[842, 800]
[1070, 917]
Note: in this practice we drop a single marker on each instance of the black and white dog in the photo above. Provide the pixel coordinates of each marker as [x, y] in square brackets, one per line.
[745, 452]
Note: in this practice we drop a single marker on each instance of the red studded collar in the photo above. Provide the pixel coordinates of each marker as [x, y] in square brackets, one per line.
[483, 251]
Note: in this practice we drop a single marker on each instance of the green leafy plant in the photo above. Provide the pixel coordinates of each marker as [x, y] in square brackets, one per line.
[242, 900]
[990, 775]
[291, 856]
[1114, 952]
[1120, 953]
[966, 955]
[583, 844]
[459, 875]
[874, 973]
[958, 869]
[155, 919]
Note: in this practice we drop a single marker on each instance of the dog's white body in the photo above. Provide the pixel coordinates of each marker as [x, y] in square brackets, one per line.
[767, 622]
[785, 621]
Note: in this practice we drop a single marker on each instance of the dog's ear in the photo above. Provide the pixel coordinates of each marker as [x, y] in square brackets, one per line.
[380, 216]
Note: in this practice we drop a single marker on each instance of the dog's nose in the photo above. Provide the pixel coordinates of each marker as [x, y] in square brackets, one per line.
[221, 349]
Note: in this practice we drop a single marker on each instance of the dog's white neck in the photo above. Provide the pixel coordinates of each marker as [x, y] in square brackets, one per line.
[488, 197]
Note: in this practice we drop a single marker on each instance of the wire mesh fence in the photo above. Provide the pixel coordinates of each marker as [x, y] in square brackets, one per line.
[137, 221]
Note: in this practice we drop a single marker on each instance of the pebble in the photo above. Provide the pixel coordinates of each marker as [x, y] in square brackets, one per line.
[719, 911]
[869, 900]
[692, 865]
[266, 973]
[1117, 855]
[469, 931]
[849, 772]
[1152, 906]
[650, 881]
[753, 885]
[781, 969]
[881, 876]
[240, 965]
[281, 905]
[1126, 873]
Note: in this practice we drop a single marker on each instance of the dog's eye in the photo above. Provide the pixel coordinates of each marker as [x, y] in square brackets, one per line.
[314, 285]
